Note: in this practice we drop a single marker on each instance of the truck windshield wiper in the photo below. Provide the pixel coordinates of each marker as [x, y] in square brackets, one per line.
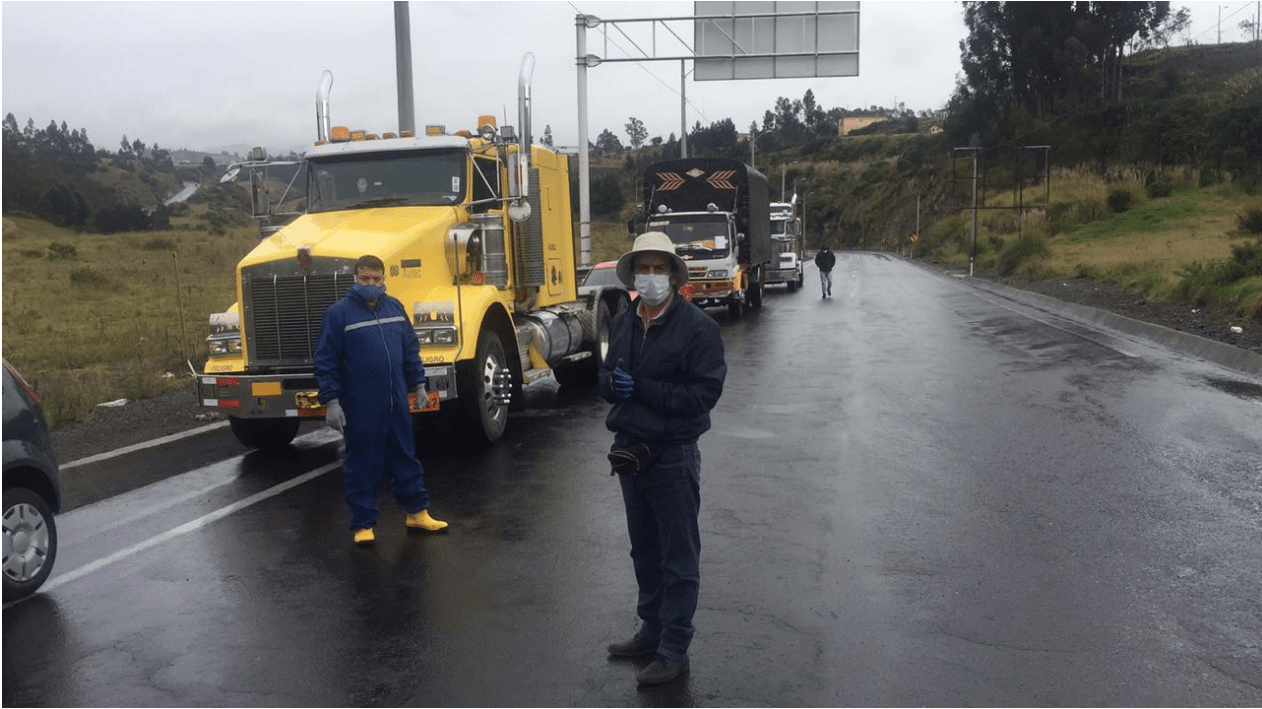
[381, 202]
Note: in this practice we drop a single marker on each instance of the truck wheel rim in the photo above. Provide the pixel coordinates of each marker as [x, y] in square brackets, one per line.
[493, 388]
[25, 542]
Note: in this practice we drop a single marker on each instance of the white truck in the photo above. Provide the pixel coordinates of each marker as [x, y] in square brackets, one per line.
[786, 241]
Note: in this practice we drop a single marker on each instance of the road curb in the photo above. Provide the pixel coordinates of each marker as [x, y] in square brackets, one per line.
[1220, 353]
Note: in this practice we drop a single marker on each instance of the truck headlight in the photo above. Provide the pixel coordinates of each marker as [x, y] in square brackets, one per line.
[225, 334]
[717, 274]
[224, 343]
[445, 335]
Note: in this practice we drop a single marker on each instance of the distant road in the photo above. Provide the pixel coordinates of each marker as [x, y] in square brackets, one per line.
[189, 189]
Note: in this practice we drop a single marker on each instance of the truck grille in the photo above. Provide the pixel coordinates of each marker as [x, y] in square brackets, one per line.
[283, 315]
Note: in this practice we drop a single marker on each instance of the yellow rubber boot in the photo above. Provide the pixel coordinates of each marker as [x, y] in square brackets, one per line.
[421, 521]
[364, 537]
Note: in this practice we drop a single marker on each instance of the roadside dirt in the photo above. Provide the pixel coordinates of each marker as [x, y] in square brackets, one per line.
[1210, 323]
[110, 428]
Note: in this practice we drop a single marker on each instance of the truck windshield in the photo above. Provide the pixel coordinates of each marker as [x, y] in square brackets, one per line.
[699, 236]
[386, 179]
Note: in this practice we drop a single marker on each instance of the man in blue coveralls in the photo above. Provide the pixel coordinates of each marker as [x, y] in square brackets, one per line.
[366, 363]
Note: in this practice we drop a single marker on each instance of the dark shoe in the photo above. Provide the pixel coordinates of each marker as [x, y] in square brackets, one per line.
[639, 645]
[660, 670]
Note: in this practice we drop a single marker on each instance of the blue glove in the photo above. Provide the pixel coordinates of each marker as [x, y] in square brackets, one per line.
[623, 384]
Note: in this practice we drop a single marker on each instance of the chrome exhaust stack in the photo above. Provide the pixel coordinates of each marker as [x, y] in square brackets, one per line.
[323, 125]
[521, 209]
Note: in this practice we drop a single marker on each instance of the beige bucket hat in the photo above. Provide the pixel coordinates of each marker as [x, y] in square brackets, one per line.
[651, 241]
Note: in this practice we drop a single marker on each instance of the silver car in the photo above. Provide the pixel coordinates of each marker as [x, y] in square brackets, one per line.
[32, 490]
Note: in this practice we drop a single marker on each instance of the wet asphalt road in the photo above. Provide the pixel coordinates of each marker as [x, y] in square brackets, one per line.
[914, 493]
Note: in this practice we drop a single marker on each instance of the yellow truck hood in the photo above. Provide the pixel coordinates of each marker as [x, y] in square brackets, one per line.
[387, 232]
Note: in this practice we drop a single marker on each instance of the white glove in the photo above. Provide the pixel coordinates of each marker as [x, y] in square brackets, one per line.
[422, 396]
[335, 417]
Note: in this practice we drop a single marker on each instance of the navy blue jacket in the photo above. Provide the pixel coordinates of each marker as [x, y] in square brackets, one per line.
[369, 360]
[678, 368]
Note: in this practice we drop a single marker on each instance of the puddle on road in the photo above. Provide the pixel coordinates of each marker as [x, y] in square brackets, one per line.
[1244, 390]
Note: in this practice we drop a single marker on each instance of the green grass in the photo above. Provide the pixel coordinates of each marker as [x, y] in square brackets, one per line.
[1175, 247]
[117, 318]
[1154, 216]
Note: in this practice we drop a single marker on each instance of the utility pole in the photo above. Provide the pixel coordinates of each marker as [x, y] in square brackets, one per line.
[683, 110]
[972, 257]
[584, 185]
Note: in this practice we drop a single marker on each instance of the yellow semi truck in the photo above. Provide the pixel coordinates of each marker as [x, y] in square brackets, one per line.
[476, 232]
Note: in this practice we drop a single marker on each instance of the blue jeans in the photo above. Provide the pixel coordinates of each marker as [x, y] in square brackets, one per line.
[662, 508]
[826, 282]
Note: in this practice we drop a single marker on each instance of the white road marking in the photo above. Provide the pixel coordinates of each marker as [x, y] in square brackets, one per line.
[185, 528]
[141, 446]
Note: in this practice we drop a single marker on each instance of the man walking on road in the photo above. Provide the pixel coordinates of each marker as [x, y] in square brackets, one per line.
[663, 374]
[366, 362]
[824, 261]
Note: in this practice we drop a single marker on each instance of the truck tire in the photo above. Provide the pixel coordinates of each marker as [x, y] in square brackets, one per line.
[800, 282]
[753, 291]
[484, 417]
[264, 434]
[30, 542]
[583, 373]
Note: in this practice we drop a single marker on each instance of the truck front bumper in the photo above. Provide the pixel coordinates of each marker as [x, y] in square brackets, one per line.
[706, 293]
[782, 276]
[296, 395]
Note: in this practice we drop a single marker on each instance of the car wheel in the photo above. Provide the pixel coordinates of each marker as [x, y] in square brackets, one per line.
[30, 542]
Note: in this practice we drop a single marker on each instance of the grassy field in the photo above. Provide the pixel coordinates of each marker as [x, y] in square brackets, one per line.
[1148, 247]
[91, 318]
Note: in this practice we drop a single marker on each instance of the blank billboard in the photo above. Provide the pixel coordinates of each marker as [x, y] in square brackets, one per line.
[775, 40]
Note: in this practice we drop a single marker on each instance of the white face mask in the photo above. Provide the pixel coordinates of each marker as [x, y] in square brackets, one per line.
[653, 288]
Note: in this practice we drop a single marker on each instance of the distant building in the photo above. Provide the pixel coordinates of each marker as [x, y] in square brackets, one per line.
[934, 130]
[850, 124]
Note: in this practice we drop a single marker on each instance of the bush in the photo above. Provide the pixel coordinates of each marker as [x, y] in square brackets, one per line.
[1198, 279]
[121, 217]
[63, 251]
[1251, 221]
[1119, 201]
[1159, 189]
[1028, 246]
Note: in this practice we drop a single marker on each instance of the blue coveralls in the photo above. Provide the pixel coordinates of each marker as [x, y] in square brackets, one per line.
[678, 368]
[368, 359]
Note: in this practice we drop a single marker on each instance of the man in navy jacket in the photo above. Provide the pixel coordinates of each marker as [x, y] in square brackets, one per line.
[367, 361]
[663, 374]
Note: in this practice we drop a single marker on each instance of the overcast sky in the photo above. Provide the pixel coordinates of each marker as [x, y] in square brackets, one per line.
[208, 75]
